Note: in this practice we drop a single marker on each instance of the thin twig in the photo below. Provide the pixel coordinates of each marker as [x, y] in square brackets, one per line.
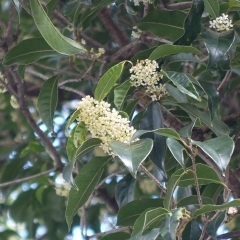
[178, 6]
[27, 178]
[226, 78]
[73, 90]
[153, 178]
[229, 235]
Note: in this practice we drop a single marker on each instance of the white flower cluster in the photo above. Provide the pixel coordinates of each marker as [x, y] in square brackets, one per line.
[100, 52]
[62, 189]
[137, 2]
[2, 87]
[144, 74]
[104, 123]
[136, 33]
[221, 23]
[14, 102]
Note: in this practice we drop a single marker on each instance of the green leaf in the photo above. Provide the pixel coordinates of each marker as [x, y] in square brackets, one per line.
[129, 109]
[212, 7]
[86, 181]
[193, 200]
[210, 207]
[116, 236]
[51, 34]
[142, 55]
[192, 231]
[87, 146]
[217, 44]
[108, 80]
[151, 120]
[133, 154]
[212, 191]
[167, 49]
[183, 82]
[124, 190]
[212, 95]
[177, 151]
[163, 23]
[235, 61]
[71, 148]
[67, 174]
[147, 220]
[234, 4]
[214, 225]
[51, 5]
[28, 51]
[71, 120]
[167, 132]
[21, 71]
[192, 24]
[217, 126]
[120, 93]
[220, 149]
[47, 101]
[79, 134]
[176, 94]
[187, 130]
[168, 230]
[128, 214]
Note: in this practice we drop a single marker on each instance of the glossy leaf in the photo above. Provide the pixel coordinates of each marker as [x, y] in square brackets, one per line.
[163, 23]
[192, 24]
[142, 55]
[116, 236]
[21, 71]
[72, 118]
[51, 5]
[133, 154]
[220, 149]
[131, 107]
[168, 230]
[71, 148]
[214, 225]
[151, 120]
[67, 174]
[212, 191]
[176, 94]
[86, 181]
[79, 134]
[217, 44]
[166, 50]
[187, 130]
[184, 83]
[177, 151]
[108, 80]
[51, 34]
[212, 7]
[193, 200]
[128, 214]
[192, 231]
[146, 220]
[124, 192]
[47, 101]
[210, 207]
[28, 51]
[167, 132]
[217, 126]
[120, 93]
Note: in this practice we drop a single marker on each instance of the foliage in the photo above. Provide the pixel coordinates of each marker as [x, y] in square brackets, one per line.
[171, 172]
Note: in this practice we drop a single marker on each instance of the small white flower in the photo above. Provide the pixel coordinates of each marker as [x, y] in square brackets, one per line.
[145, 74]
[136, 33]
[221, 23]
[83, 42]
[104, 123]
[2, 87]
[14, 102]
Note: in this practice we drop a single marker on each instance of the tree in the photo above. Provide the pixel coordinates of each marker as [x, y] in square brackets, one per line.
[134, 104]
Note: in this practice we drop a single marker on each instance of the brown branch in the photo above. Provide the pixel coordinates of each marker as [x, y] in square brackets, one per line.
[178, 6]
[27, 178]
[23, 107]
[229, 235]
[117, 34]
[10, 21]
[226, 78]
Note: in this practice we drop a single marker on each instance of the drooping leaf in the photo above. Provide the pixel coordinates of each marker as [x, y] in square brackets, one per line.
[217, 126]
[166, 50]
[152, 120]
[217, 44]
[214, 225]
[128, 214]
[67, 174]
[51, 34]
[220, 149]
[176, 94]
[147, 220]
[71, 148]
[184, 83]
[192, 24]
[132, 154]
[212, 7]
[167, 132]
[187, 130]
[28, 51]
[192, 231]
[171, 222]
[108, 80]
[116, 236]
[120, 93]
[47, 101]
[86, 181]
[212, 191]
[124, 192]
[177, 151]
[209, 208]
[163, 23]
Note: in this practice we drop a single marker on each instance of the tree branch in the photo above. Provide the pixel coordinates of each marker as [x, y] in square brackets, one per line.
[229, 235]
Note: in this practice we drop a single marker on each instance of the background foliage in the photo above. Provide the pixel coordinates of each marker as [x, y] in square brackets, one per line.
[182, 174]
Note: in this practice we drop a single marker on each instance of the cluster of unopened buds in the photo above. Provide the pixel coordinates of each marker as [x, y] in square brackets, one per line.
[221, 23]
[104, 123]
[145, 74]
[2, 87]
[98, 54]
[136, 33]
